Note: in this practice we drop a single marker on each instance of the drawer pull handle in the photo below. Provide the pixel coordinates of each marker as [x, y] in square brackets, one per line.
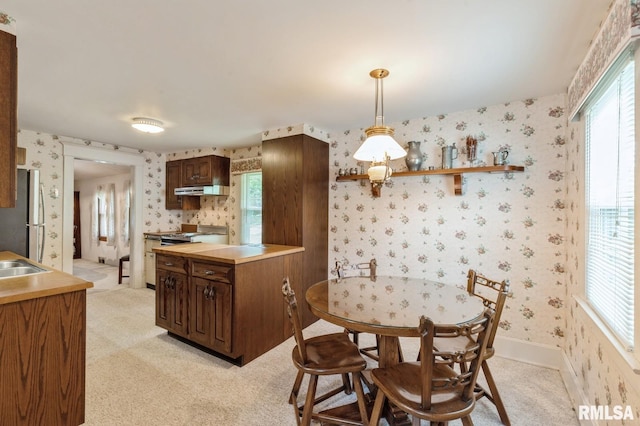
[209, 272]
[168, 264]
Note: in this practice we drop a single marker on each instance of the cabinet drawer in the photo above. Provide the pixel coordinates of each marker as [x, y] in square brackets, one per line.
[212, 272]
[171, 263]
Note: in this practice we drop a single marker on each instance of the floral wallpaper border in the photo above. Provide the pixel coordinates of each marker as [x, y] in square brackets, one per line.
[7, 23]
[613, 35]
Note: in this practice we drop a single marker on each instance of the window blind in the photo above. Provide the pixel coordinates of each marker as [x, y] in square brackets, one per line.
[610, 192]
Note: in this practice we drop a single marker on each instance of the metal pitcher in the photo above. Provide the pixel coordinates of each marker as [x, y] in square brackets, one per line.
[449, 153]
[500, 157]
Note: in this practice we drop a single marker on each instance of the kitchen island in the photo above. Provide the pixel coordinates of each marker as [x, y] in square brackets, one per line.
[42, 347]
[226, 299]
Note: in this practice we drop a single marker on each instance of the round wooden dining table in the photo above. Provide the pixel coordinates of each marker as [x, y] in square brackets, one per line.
[390, 306]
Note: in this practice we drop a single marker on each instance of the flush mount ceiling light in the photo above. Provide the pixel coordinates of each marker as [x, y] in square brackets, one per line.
[379, 147]
[147, 125]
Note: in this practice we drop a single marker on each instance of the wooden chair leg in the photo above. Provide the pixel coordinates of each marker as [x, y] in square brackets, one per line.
[296, 388]
[495, 395]
[362, 405]
[347, 384]
[376, 413]
[308, 404]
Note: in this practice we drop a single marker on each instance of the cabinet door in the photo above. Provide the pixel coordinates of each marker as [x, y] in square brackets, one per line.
[197, 171]
[174, 180]
[8, 118]
[210, 314]
[171, 301]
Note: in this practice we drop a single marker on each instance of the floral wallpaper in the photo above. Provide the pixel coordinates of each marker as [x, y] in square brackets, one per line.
[7, 23]
[44, 152]
[522, 226]
[599, 369]
[506, 225]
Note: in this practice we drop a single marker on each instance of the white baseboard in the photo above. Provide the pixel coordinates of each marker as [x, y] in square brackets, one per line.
[529, 352]
[545, 356]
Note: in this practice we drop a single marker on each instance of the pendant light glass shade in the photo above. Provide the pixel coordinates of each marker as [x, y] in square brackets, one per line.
[379, 146]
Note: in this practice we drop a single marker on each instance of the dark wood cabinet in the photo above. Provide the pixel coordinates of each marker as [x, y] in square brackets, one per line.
[208, 170]
[171, 294]
[295, 199]
[235, 310]
[210, 305]
[8, 118]
[221, 167]
[42, 360]
[173, 181]
[197, 171]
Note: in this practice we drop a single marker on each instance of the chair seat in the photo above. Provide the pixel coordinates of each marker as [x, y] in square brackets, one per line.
[402, 384]
[330, 354]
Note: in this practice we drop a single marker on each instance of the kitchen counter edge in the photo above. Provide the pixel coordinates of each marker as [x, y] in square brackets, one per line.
[27, 287]
[230, 254]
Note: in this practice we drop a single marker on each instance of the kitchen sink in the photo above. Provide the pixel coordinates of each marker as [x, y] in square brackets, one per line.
[18, 267]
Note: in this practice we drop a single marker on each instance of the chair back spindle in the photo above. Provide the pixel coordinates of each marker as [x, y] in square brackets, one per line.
[493, 294]
[477, 332]
[294, 317]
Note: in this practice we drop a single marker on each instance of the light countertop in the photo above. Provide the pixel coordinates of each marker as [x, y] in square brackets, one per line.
[26, 287]
[225, 253]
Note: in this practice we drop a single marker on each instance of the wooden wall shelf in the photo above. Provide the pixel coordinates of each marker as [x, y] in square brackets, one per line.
[457, 174]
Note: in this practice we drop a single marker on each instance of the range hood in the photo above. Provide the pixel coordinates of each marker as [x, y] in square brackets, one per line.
[202, 190]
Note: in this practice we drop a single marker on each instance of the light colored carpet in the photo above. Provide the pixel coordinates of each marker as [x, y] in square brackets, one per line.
[103, 276]
[138, 375]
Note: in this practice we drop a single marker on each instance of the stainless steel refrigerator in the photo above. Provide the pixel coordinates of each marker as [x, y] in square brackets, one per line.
[22, 228]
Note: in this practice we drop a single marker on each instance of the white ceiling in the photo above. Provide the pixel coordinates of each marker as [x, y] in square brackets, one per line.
[219, 73]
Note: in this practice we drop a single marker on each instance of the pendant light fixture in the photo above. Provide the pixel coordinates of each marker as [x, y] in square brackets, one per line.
[147, 125]
[379, 146]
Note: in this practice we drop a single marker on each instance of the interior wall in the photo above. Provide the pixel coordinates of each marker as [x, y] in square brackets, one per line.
[602, 374]
[92, 250]
[507, 226]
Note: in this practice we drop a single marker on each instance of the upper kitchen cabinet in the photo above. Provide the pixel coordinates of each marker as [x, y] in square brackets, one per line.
[8, 118]
[295, 203]
[209, 170]
[174, 180]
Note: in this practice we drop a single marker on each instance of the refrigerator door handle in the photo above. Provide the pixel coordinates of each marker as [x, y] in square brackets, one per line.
[41, 225]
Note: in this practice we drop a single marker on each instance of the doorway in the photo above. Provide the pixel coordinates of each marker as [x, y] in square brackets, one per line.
[136, 162]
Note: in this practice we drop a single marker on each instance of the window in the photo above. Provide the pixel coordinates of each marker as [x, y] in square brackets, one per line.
[251, 208]
[610, 198]
[103, 223]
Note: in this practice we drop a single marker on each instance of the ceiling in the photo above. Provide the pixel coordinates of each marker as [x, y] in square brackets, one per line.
[220, 73]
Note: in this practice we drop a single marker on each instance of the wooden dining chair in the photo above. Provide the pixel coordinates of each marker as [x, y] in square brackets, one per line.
[329, 354]
[494, 295]
[434, 389]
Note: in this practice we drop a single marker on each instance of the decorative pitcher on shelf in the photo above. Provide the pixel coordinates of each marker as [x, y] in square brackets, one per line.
[414, 156]
[500, 157]
[449, 153]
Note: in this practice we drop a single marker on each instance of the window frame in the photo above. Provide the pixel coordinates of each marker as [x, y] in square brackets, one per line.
[245, 230]
[629, 354]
